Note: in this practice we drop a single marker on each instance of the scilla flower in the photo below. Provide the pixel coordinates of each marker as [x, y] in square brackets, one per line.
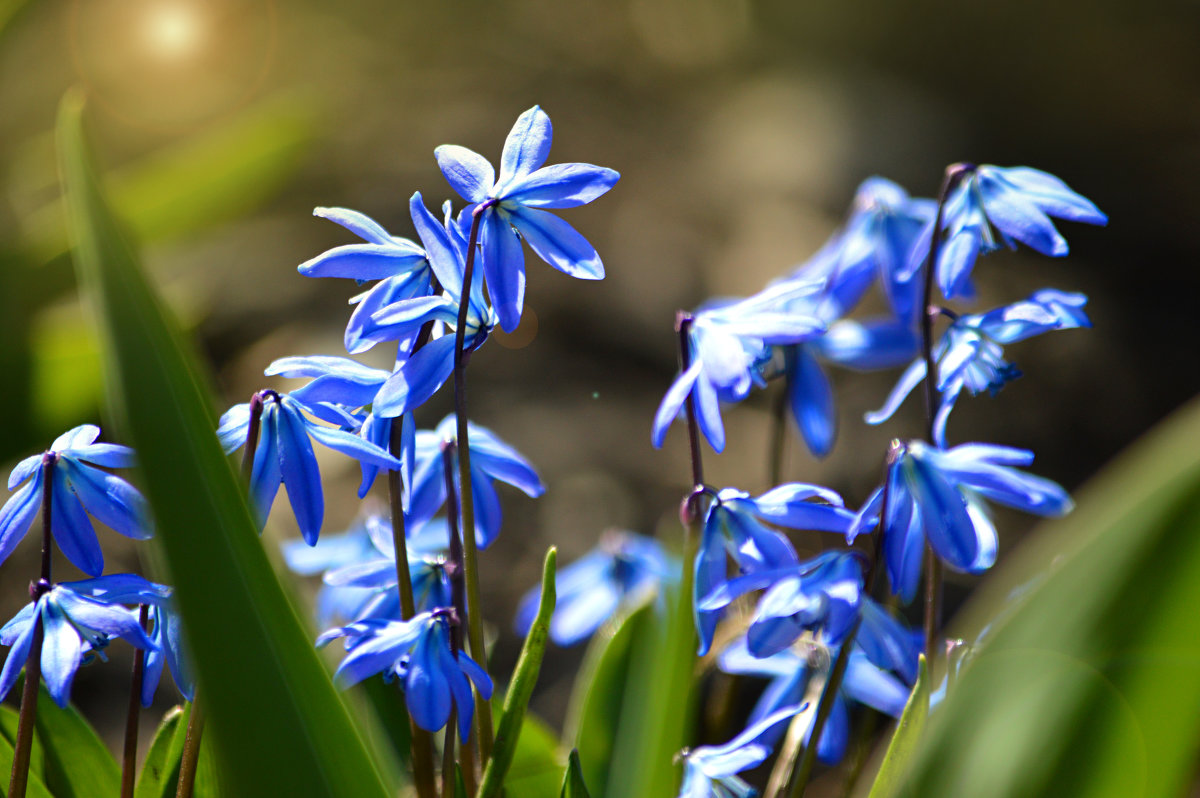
[417, 652]
[710, 771]
[512, 205]
[77, 485]
[75, 626]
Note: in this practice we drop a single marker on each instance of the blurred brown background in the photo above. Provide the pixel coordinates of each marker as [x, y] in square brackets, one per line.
[741, 129]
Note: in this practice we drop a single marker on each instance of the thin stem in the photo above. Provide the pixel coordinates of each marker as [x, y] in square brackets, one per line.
[483, 709]
[448, 756]
[457, 594]
[778, 438]
[683, 326]
[23, 746]
[929, 312]
[191, 752]
[129, 762]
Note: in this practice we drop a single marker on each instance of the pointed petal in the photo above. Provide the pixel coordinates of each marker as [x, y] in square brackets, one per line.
[17, 515]
[360, 224]
[672, 403]
[17, 656]
[558, 243]
[352, 445]
[467, 172]
[417, 380]
[109, 498]
[298, 467]
[442, 254]
[563, 185]
[526, 147]
[811, 398]
[911, 377]
[62, 651]
[73, 530]
[366, 261]
[503, 267]
[75, 438]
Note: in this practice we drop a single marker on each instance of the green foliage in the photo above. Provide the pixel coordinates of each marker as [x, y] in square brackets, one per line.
[1087, 682]
[8, 737]
[906, 738]
[537, 764]
[516, 701]
[280, 727]
[573, 786]
[160, 772]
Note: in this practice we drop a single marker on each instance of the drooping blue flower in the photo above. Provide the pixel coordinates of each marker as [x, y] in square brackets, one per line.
[733, 528]
[416, 651]
[491, 459]
[75, 627]
[76, 487]
[623, 571]
[402, 268]
[970, 353]
[420, 375]
[710, 771]
[511, 209]
[822, 594]
[1012, 204]
[165, 627]
[730, 346]
[285, 455]
[937, 495]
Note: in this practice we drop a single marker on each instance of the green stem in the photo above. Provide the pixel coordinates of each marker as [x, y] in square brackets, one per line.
[191, 752]
[483, 709]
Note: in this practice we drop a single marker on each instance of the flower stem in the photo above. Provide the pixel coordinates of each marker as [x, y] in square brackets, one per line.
[778, 438]
[929, 312]
[683, 326]
[458, 597]
[483, 710]
[191, 752]
[23, 746]
[129, 762]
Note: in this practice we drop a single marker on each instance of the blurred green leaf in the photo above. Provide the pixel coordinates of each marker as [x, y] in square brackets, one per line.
[657, 709]
[907, 737]
[1088, 679]
[77, 762]
[159, 777]
[66, 365]
[460, 788]
[36, 787]
[536, 769]
[573, 786]
[280, 727]
[200, 182]
[516, 700]
[595, 711]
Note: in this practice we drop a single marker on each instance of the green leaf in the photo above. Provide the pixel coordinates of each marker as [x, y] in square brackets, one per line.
[279, 724]
[536, 769]
[658, 705]
[516, 700]
[78, 763]
[35, 786]
[161, 769]
[573, 786]
[907, 737]
[460, 788]
[594, 716]
[1087, 682]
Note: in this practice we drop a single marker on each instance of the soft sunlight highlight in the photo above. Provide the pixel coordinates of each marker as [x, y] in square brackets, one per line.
[173, 31]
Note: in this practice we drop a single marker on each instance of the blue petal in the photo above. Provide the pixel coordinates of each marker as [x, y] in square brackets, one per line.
[563, 185]
[75, 438]
[903, 541]
[943, 510]
[73, 531]
[233, 427]
[910, 379]
[361, 332]
[110, 499]
[503, 267]
[811, 398]
[558, 243]
[360, 224]
[487, 508]
[526, 147]
[576, 619]
[113, 621]
[467, 172]
[62, 651]
[17, 515]
[24, 470]
[265, 476]
[500, 461]
[869, 344]
[443, 255]
[366, 261]
[298, 467]
[352, 445]
[1049, 193]
[1016, 216]
[470, 667]
[17, 657]
[417, 380]
[672, 403]
[955, 260]
[708, 414]
[836, 734]
[876, 688]
[426, 688]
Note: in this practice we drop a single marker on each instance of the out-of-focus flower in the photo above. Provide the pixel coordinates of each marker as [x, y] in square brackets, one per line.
[710, 771]
[76, 487]
[511, 209]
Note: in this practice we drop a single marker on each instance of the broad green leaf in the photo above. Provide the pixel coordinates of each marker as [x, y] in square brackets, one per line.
[35, 787]
[460, 788]
[573, 785]
[906, 738]
[1088, 677]
[516, 699]
[280, 726]
[78, 763]
[594, 716]
[536, 769]
[658, 705]
[161, 768]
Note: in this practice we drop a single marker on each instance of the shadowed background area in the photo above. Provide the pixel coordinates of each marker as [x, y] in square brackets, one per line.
[741, 130]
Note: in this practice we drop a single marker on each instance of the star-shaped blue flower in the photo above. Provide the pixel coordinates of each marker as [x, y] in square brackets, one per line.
[416, 651]
[511, 207]
[75, 626]
[77, 485]
[624, 570]
[970, 353]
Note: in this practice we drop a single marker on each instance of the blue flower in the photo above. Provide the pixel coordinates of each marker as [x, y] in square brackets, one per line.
[418, 376]
[166, 627]
[76, 487]
[402, 268]
[970, 353]
[285, 454]
[710, 771]
[624, 570]
[731, 345]
[733, 527]
[417, 652]
[74, 628]
[511, 208]
[1016, 203]
[822, 594]
[937, 495]
[491, 459]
